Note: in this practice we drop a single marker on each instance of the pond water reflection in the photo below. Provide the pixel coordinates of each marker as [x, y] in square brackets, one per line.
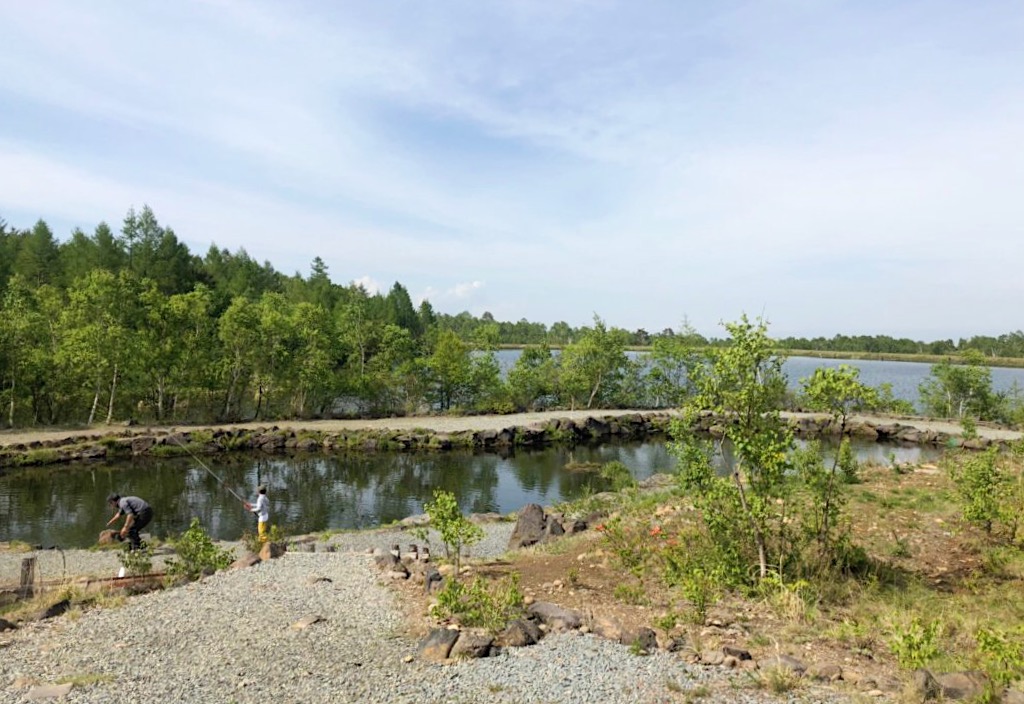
[65, 505]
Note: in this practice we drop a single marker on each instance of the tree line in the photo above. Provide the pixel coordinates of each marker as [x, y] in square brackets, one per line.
[111, 326]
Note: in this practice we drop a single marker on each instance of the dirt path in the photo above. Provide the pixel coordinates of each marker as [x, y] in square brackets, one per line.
[444, 424]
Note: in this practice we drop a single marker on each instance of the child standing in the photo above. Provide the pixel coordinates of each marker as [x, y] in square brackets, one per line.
[262, 510]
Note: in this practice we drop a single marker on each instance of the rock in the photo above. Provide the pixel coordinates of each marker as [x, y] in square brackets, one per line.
[1013, 696]
[644, 639]
[6, 625]
[529, 529]
[738, 653]
[924, 687]
[438, 644]
[969, 684]
[472, 643]
[385, 561]
[306, 621]
[712, 657]
[247, 560]
[519, 633]
[432, 580]
[556, 617]
[54, 610]
[271, 551]
[825, 672]
[313, 580]
[607, 627]
[109, 537]
[783, 662]
[49, 691]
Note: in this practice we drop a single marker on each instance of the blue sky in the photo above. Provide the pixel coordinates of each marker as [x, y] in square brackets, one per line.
[839, 167]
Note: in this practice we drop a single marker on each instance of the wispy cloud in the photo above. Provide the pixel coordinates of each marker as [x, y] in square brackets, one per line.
[829, 163]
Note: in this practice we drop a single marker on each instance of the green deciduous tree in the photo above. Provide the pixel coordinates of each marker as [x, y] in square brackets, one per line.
[743, 384]
[450, 369]
[965, 388]
[591, 367]
[532, 379]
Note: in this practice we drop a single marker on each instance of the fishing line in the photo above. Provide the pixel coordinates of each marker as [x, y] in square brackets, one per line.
[204, 466]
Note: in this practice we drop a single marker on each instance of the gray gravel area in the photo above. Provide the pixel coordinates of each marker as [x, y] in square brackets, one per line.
[233, 637]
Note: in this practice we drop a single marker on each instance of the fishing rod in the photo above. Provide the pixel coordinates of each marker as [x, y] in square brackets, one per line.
[204, 466]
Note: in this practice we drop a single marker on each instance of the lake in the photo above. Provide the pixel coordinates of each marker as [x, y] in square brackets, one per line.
[65, 506]
[905, 377]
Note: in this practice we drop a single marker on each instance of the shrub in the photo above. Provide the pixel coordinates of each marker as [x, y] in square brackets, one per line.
[618, 475]
[983, 487]
[1001, 654]
[914, 645]
[196, 553]
[480, 605]
[455, 529]
[136, 562]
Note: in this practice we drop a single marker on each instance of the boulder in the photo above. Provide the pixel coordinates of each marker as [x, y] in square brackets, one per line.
[529, 528]
[969, 684]
[924, 686]
[519, 633]
[783, 662]
[438, 644]
[248, 560]
[109, 537]
[49, 691]
[555, 617]
[271, 551]
[473, 643]
[824, 672]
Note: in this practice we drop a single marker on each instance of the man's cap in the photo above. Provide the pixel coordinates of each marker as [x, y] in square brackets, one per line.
[261, 488]
[113, 498]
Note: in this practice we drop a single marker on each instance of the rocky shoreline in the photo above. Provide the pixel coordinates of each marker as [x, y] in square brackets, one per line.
[440, 434]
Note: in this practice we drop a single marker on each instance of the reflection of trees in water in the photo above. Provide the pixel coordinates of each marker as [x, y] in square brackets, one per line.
[308, 493]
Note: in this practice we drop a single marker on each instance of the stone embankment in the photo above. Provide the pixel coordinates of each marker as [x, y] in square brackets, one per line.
[441, 433]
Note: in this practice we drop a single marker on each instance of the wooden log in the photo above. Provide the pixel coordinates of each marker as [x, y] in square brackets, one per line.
[28, 578]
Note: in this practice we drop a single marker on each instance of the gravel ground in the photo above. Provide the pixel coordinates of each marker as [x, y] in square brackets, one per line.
[231, 638]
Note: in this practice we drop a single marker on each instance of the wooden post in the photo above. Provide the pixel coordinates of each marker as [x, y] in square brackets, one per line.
[28, 577]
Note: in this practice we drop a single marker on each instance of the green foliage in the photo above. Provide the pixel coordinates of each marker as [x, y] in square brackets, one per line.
[744, 384]
[849, 467]
[196, 552]
[1001, 653]
[985, 488]
[480, 603]
[591, 368]
[136, 562]
[456, 530]
[915, 644]
[968, 428]
[618, 475]
[886, 402]
[956, 390]
[631, 544]
[630, 594]
[699, 570]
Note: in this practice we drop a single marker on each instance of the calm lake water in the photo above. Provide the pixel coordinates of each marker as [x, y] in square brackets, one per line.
[905, 377]
[65, 506]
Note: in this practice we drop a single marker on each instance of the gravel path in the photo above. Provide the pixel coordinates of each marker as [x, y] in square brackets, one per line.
[450, 424]
[231, 638]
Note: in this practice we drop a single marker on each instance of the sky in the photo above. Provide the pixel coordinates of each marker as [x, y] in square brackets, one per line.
[834, 167]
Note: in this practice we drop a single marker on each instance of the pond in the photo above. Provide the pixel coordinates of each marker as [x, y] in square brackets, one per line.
[65, 506]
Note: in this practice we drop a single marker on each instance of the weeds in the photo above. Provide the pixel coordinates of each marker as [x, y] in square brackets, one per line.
[915, 645]
[479, 604]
